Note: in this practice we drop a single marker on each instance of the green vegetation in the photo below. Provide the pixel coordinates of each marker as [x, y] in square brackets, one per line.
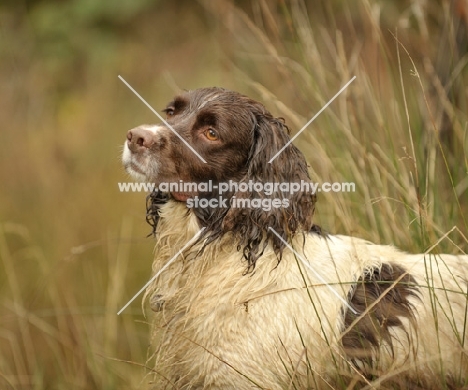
[73, 248]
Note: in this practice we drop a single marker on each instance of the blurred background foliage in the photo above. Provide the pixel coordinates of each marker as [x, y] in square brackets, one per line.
[73, 249]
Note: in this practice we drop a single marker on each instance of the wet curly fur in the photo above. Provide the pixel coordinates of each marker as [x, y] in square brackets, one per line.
[239, 309]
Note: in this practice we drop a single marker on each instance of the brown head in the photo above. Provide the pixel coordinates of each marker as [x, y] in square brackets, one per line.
[236, 137]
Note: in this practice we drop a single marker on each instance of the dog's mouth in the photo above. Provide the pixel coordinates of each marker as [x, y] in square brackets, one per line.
[135, 170]
[135, 164]
[132, 167]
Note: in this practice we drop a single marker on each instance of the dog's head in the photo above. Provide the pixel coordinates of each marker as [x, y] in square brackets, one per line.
[236, 137]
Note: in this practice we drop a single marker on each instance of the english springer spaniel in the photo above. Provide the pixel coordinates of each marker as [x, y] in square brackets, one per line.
[261, 297]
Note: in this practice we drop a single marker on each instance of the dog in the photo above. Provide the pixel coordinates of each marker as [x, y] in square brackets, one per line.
[259, 296]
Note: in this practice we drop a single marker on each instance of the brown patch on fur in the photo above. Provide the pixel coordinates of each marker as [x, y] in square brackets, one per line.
[389, 306]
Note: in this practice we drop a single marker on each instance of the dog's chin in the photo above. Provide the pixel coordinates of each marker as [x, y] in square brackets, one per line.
[135, 172]
[136, 167]
[138, 176]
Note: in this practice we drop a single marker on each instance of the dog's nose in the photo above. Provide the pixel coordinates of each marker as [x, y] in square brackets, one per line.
[140, 138]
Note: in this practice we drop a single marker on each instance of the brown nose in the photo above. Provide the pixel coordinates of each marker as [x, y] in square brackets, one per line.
[138, 138]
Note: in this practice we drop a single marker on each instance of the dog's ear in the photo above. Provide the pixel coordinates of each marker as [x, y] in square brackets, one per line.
[289, 211]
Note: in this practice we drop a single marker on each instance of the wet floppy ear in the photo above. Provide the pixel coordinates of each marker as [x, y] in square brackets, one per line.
[295, 210]
[288, 166]
[270, 136]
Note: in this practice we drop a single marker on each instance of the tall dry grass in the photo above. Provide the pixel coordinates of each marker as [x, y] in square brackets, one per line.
[383, 132]
[73, 249]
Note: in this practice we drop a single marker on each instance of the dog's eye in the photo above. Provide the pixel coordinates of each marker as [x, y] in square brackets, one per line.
[169, 112]
[211, 135]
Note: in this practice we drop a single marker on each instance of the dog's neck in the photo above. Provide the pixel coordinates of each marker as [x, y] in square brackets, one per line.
[175, 216]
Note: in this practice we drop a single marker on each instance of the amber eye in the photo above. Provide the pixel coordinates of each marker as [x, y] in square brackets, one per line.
[169, 112]
[211, 135]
